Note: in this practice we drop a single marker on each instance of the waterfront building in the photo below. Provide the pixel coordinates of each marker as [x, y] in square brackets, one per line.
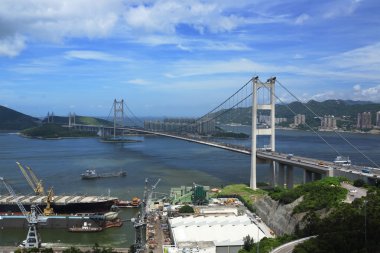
[299, 119]
[328, 122]
[378, 119]
[180, 125]
[364, 120]
[226, 231]
[280, 120]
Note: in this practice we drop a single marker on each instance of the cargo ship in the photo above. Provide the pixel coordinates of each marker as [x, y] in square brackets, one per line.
[92, 174]
[61, 204]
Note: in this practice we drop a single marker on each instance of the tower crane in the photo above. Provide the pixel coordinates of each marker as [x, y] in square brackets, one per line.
[139, 222]
[33, 239]
[32, 180]
[38, 188]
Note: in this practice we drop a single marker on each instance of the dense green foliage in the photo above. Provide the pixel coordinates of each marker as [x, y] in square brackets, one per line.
[266, 244]
[13, 120]
[54, 131]
[346, 229]
[325, 193]
[359, 182]
[186, 209]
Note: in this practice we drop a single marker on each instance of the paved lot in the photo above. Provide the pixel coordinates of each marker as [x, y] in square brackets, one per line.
[353, 192]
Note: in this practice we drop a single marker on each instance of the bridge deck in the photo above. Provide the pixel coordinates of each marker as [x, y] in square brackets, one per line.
[313, 165]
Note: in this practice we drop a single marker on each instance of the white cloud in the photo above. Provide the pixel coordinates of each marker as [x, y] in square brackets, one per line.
[324, 96]
[91, 55]
[55, 20]
[165, 15]
[138, 81]
[302, 19]
[367, 57]
[12, 45]
[242, 65]
[341, 8]
[298, 56]
[371, 93]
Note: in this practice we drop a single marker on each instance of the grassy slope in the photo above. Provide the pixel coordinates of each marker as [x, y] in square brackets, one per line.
[242, 190]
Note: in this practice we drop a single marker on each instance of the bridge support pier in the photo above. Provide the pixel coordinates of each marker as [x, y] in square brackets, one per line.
[272, 175]
[289, 177]
[281, 174]
[307, 176]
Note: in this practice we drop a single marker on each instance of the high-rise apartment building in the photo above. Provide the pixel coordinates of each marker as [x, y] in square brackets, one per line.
[328, 122]
[378, 119]
[299, 119]
[364, 120]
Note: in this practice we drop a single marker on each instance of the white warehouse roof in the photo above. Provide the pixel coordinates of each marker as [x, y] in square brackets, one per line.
[222, 230]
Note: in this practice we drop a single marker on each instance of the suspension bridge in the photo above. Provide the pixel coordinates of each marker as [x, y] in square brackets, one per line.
[256, 97]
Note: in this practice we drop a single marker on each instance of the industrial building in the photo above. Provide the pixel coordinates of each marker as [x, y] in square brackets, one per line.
[226, 232]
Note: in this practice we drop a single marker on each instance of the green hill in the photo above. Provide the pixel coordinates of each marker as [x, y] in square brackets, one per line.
[13, 120]
[51, 130]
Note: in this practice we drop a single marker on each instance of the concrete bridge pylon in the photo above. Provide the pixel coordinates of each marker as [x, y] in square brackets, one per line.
[268, 103]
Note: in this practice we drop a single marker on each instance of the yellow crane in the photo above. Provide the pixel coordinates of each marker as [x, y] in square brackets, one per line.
[48, 210]
[32, 180]
[38, 188]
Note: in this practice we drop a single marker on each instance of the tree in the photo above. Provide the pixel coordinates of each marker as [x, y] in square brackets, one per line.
[359, 182]
[72, 250]
[248, 243]
[186, 209]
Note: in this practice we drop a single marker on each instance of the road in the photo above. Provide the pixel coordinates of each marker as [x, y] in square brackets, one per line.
[289, 247]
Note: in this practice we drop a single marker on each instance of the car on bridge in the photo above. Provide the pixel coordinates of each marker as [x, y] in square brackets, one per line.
[366, 170]
[289, 156]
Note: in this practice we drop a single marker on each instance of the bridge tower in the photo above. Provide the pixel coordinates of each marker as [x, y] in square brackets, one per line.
[71, 119]
[268, 104]
[118, 115]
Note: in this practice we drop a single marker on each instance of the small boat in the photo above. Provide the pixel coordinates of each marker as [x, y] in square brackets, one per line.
[126, 203]
[112, 224]
[111, 216]
[92, 174]
[86, 227]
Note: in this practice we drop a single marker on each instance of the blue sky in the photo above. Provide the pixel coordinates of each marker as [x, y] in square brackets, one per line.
[181, 58]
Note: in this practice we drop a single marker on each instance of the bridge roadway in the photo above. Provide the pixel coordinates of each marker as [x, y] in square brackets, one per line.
[309, 164]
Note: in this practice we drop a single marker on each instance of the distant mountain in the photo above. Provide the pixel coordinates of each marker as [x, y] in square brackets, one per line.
[339, 108]
[14, 120]
[353, 102]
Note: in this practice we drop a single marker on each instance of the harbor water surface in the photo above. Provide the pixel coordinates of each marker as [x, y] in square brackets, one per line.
[59, 164]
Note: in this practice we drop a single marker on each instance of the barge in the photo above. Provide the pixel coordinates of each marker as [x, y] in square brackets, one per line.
[92, 174]
[61, 204]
